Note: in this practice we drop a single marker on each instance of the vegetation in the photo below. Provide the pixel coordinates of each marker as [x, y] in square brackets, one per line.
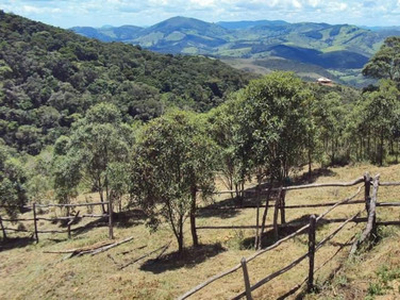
[173, 162]
[385, 62]
[81, 116]
[50, 77]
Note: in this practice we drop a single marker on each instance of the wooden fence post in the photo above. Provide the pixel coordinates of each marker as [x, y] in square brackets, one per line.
[35, 222]
[367, 186]
[69, 224]
[373, 202]
[3, 230]
[283, 206]
[246, 279]
[110, 220]
[257, 242]
[311, 252]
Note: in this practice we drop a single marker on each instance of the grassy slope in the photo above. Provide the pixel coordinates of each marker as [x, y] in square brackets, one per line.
[28, 273]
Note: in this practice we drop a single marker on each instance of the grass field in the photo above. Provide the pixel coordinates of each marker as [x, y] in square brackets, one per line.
[27, 272]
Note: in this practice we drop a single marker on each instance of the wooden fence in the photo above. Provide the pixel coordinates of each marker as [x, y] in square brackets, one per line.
[70, 218]
[370, 230]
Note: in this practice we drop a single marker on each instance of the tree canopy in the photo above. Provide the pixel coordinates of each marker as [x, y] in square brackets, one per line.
[173, 161]
[386, 61]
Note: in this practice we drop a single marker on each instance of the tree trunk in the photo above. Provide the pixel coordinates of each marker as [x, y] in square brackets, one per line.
[282, 206]
[180, 235]
[381, 149]
[264, 217]
[101, 195]
[193, 217]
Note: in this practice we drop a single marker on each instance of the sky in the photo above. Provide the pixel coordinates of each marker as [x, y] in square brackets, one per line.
[96, 13]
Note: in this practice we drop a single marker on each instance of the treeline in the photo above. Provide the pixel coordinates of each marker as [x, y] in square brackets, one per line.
[264, 132]
[49, 77]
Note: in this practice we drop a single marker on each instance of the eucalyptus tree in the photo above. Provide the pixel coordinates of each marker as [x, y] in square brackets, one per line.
[222, 127]
[98, 141]
[386, 61]
[274, 127]
[173, 161]
[381, 110]
[330, 116]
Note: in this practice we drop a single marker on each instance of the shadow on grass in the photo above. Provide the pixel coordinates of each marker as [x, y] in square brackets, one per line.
[15, 242]
[231, 207]
[123, 219]
[312, 177]
[189, 258]
[268, 237]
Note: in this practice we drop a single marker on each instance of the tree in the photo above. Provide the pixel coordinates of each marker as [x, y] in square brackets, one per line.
[386, 62]
[381, 110]
[97, 141]
[330, 115]
[172, 163]
[274, 128]
[223, 126]
[12, 183]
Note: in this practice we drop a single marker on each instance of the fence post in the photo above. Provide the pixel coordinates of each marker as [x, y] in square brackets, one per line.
[110, 221]
[257, 242]
[373, 203]
[367, 186]
[311, 252]
[246, 279]
[35, 222]
[3, 229]
[283, 206]
[69, 223]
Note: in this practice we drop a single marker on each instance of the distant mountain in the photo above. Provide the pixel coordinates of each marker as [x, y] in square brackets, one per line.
[109, 33]
[250, 24]
[336, 48]
[183, 35]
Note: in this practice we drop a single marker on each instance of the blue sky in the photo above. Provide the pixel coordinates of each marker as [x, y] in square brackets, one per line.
[68, 13]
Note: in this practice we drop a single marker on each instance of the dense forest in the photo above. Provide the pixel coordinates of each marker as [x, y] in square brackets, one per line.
[78, 115]
[49, 77]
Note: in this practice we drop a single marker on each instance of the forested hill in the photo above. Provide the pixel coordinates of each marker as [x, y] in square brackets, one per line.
[49, 77]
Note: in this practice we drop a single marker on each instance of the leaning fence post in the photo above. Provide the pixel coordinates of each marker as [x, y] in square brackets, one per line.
[110, 221]
[311, 252]
[246, 279]
[3, 229]
[35, 222]
[367, 186]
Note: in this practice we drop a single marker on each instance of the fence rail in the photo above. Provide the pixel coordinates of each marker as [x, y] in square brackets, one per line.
[70, 218]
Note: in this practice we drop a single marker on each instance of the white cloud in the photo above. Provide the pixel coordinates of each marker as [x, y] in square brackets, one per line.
[147, 12]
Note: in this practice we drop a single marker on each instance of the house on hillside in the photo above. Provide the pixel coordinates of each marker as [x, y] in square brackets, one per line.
[324, 81]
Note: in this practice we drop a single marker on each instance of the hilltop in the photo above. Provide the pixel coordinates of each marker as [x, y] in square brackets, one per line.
[341, 50]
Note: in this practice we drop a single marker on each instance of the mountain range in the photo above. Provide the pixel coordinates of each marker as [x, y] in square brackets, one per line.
[317, 49]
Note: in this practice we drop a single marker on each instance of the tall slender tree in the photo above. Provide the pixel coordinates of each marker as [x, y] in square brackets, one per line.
[172, 164]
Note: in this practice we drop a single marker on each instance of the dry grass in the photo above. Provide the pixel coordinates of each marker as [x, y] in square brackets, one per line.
[27, 272]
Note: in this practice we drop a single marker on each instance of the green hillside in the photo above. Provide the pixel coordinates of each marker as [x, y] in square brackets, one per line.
[49, 77]
[338, 49]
